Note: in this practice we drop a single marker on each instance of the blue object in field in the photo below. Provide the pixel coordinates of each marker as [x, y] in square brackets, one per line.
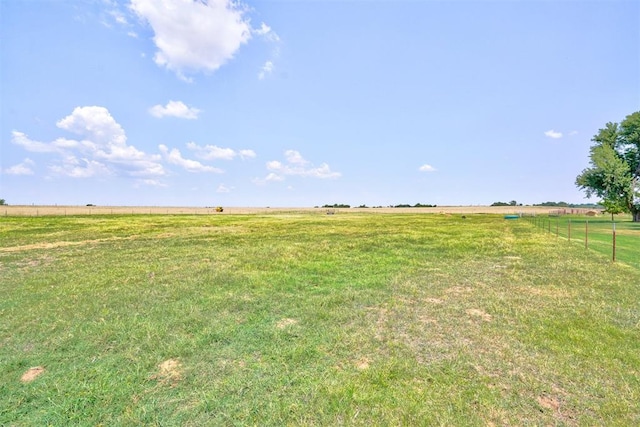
[511, 216]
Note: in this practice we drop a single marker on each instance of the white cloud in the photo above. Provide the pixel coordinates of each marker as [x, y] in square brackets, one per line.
[427, 168]
[23, 140]
[96, 125]
[553, 134]
[175, 157]
[296, 165]
[101, 150]
[247, 154]
[24, 168]
[274, 177]
[270, 36]
[81, 168]
[174, 109]
[274, 165]
[213, 152]
[271, 177]
[573, 133]
[267, 32]
[192, 35]
[294, 157]
[266, 69]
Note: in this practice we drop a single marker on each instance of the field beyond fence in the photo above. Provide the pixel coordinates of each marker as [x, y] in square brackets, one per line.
[295, 317]
[27, 210]
[618, 239]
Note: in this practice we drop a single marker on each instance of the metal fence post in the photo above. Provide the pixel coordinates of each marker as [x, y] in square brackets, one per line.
[614, 242]
[586, 234]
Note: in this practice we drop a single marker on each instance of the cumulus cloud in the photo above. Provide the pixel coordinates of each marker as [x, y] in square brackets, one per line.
[95, 124]
[247, 154]
[21, 139]
[81, 168]
[427, 168]
[174, 109]
[101, 149]
[192, 36]
[23, 168]
[553, 134]
[175, 157]
[213, 152]
[296, 165]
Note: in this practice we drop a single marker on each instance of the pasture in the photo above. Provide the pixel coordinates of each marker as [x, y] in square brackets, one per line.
[302, 318]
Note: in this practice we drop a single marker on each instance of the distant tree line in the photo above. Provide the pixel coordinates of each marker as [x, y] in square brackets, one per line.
[417, 205]
[511, 203]
[336, 205]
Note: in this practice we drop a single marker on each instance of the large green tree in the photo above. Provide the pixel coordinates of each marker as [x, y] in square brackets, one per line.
[614, 175]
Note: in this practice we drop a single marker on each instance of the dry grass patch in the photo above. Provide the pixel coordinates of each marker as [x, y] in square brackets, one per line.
[475, 312]
[169, 372]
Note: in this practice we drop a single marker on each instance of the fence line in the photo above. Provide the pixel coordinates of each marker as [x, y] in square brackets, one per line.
[619, 240]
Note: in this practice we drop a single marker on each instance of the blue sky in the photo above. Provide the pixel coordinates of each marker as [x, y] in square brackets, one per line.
[302, 103]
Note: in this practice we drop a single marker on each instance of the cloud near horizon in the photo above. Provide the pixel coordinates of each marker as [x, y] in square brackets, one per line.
[296, 165]
[213, 152]
[427, 168]
[23, 168]
[102, 149]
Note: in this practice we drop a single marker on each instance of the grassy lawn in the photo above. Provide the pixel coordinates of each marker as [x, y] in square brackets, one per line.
[599, 234]
[348, 319]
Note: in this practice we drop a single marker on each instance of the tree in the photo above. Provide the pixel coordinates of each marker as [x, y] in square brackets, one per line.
[2, 202]
[614, 175]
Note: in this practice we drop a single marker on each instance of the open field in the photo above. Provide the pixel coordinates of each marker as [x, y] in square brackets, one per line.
[301, 318]
[22, 210]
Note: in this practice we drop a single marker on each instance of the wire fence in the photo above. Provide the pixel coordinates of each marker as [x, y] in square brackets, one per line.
[617, 238]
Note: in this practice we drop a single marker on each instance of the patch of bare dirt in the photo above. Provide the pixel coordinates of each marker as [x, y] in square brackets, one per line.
[549, 402]
[555, 405]
[32, 374]
[362, 364]
[169, 372]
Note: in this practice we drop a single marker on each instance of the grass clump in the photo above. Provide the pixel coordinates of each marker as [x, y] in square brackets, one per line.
[312, 319]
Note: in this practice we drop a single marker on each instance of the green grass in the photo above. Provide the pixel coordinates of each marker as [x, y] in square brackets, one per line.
[350, 319]
[599, 234]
